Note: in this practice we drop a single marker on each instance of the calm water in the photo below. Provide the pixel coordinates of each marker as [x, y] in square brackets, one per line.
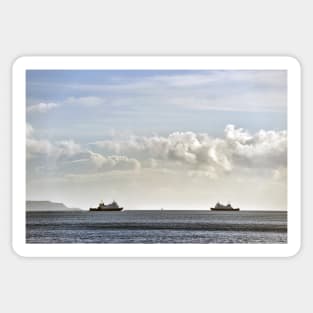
[157, 227]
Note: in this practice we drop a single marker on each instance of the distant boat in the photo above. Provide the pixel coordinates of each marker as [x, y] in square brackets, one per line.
[221, 207]
[107, 207]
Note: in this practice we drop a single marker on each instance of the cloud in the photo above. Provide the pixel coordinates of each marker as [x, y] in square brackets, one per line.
[29, 130]
[59, 149]
[238, 153]
[37, 147]
[180, 170]
[266, 149]
[189, 80]
[230, 90]
[249, 101]
[42, 107]
[42, 147]
[67, 148]
[200, 152]
[257, 78]
[114, 162]
[88, 101]
[67, 155]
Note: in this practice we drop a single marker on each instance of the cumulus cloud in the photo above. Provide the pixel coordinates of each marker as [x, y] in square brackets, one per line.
[237, 149]
[196, 154]
[68, 155]
[266, 149]
[41, 147]
[194, 167]
[115, 162]
[36, 147]
[42, 107]
[67, 148]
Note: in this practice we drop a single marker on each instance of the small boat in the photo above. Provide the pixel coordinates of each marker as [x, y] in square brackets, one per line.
[221, 207]
[107, 207]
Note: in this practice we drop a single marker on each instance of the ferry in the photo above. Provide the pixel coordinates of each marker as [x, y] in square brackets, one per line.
[221, 207]
[107, 207]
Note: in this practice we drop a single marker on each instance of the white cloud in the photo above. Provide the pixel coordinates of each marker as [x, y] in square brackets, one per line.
[238, 153]
[181, 170]
[115, 162]
[247, 101]
[66, 155]
[242, 90]
[42, 107]
[88, 101]
[190, 80]
[41, 147]
[67, 148]
[200, 152]
[37, 147]
[269, 78]
[29, 130]
[85, 101]
[266, 149]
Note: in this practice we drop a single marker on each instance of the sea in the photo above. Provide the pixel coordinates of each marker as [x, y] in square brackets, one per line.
[157, 226]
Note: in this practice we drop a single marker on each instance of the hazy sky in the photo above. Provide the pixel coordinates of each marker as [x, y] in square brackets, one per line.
[154, 138]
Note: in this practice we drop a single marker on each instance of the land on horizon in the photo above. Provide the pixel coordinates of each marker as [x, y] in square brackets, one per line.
[45, 205]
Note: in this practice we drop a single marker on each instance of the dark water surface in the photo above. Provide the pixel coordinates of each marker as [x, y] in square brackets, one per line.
[157, 227]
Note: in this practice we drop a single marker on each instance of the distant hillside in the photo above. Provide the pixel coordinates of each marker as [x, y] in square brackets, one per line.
[47, 206]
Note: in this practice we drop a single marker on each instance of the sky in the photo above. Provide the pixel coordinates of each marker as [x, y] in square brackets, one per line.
[151, 139]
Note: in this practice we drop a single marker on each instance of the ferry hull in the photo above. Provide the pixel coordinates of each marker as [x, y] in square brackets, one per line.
[105, 210]
[226, 209]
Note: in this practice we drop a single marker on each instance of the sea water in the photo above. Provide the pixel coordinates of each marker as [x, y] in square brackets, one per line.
[157, 227]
